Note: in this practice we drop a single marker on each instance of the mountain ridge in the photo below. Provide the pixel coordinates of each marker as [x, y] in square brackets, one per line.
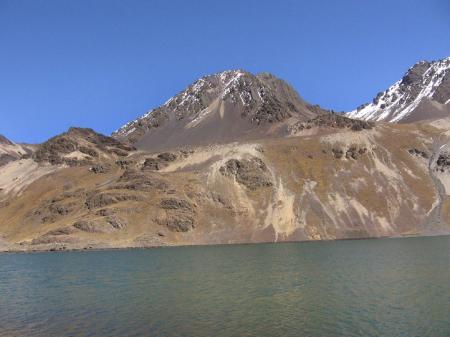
[422, 93]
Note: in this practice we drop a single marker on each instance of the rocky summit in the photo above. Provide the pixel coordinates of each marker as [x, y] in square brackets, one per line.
[234, 158]
[422, 93]
[219, 108]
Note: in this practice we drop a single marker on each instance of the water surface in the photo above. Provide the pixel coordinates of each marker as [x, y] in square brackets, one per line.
[389, 287]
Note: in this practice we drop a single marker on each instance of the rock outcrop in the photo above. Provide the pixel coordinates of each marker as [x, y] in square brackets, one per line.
[332, 120]
[79, 146]
[158, 162]
[443, 162]
[252, 173]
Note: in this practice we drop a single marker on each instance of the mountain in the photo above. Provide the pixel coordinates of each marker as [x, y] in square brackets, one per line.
[334, 178]
[10, 151]
[224, 107]
[261, 165]
[423, 93]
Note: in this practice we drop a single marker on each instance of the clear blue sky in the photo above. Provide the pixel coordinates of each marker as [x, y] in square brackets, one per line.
[100, 63]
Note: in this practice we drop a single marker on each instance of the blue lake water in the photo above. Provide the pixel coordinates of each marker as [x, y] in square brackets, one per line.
[389, 287]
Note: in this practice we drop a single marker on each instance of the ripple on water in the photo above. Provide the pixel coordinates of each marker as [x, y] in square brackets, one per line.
[392, 287]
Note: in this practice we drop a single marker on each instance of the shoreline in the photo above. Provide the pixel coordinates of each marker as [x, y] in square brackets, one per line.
[99, 249]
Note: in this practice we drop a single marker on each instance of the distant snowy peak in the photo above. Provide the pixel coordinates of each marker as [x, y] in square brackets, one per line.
[259, 98]
[422, 93]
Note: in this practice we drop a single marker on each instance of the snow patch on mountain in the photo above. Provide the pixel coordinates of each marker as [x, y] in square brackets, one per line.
[189, 99]
[420, 82]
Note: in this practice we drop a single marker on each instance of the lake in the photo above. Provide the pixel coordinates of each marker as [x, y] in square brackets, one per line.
[387, 287]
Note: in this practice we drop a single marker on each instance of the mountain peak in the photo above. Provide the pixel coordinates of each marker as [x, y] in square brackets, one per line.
[422, 93]
[224, 106]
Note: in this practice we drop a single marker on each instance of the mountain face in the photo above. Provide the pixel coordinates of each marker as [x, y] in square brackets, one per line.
[423, 93]
[219, 108]
[333, 178]
[261, 166]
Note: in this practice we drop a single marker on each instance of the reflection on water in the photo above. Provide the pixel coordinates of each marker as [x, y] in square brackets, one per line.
[391, 287]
